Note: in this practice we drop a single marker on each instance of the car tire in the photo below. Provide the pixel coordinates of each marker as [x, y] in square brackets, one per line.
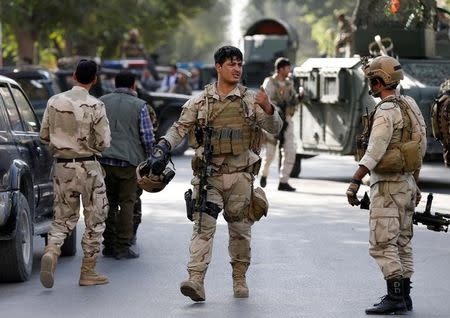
[295, 173]
[164, 127]
[69, 248]
[16, 255]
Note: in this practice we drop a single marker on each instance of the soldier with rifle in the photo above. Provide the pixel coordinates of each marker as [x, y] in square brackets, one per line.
[280, 90]
[392, 147]
[224, 125]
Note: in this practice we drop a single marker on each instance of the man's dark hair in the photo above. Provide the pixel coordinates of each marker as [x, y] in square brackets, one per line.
[227, 52]
[125, 79]
[281, 62]
[86, 71]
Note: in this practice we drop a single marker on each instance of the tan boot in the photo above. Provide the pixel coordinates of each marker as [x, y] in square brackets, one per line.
[239, 284]
[48, 265]
[88, 276]
[193, 287]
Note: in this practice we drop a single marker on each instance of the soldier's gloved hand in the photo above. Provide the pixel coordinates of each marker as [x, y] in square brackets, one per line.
[160, 156]
[352, 192]
[418, 196]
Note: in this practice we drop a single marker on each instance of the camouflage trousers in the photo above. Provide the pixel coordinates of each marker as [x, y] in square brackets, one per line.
[391, 228]
[70, 180]
[230, 192]
[288, 152]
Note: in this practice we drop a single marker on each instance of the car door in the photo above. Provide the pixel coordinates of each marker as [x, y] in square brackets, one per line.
[8, 150]
[25, 128]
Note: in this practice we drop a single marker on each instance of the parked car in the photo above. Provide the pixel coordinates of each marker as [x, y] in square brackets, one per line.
[38, 83]
[26, 190]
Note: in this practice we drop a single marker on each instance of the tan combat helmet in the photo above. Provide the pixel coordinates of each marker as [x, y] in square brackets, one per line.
[385, 67]
[150, 182]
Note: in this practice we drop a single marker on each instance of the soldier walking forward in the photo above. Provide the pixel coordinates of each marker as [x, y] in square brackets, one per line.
[234, 115]
[77, 130]
[396, 145]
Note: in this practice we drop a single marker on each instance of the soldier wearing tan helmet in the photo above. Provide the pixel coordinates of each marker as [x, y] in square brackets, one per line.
[396, 145]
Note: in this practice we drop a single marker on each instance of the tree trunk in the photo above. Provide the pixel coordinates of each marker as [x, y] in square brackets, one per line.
[26, 46]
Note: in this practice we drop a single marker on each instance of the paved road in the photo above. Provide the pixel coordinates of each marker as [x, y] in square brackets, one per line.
[310, 259]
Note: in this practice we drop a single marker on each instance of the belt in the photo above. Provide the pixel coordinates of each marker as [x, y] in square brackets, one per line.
[91, 158]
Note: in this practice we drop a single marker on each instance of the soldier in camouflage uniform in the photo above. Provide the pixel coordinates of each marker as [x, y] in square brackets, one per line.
[440, 119]
[280, 90]
[77, 130]
[132, 48]
[395, 149]
[235, 114]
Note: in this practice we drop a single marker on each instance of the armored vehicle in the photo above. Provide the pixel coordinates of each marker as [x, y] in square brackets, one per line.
[336, 92]
[263, 42]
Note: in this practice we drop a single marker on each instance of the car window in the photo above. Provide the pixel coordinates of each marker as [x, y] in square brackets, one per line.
[11, 109]
[2, 119]
[34, 88]
[28, 117]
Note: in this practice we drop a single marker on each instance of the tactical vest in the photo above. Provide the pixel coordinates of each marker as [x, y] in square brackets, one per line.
[400, 157]
[123, 112]
[233, 130]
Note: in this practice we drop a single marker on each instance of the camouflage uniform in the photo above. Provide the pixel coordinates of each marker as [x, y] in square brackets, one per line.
[281, 93]
[392, 195]
[231, 184]
[440, 119]
[75, 126]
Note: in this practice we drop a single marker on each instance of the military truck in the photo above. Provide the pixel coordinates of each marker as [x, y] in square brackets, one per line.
[336, 92]
[262, 43]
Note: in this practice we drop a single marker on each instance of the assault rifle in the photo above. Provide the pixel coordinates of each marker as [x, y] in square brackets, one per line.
[436, 222]
[205, 172]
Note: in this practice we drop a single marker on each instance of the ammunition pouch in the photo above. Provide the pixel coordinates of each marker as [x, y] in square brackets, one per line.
[258, 205]
[400, 158]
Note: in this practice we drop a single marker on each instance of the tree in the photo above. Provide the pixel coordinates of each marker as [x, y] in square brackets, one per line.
[88, 27]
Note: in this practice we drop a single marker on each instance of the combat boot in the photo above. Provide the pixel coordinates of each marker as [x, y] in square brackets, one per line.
[284, 186]
[263, 181]
[407, 289]
[393, 302]
[193, 287]
[239, 283]
[88, 276]
[48, 265]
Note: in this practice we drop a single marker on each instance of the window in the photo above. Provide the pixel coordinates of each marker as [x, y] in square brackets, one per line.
[29, 119]
[2, 119]
[11, 109]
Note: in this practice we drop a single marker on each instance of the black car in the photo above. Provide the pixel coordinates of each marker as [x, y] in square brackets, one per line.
[38, 83]
[26, 190]
[167, 106]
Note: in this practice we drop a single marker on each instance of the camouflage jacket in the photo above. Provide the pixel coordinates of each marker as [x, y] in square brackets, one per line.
[75, 125]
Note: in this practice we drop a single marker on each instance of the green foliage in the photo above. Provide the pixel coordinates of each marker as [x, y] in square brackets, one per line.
[196, 38]
[90, 27]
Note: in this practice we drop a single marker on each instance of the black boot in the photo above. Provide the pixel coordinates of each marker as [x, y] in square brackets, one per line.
[407, 289]
[393, 302]
[285, 187]
[263, 181]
